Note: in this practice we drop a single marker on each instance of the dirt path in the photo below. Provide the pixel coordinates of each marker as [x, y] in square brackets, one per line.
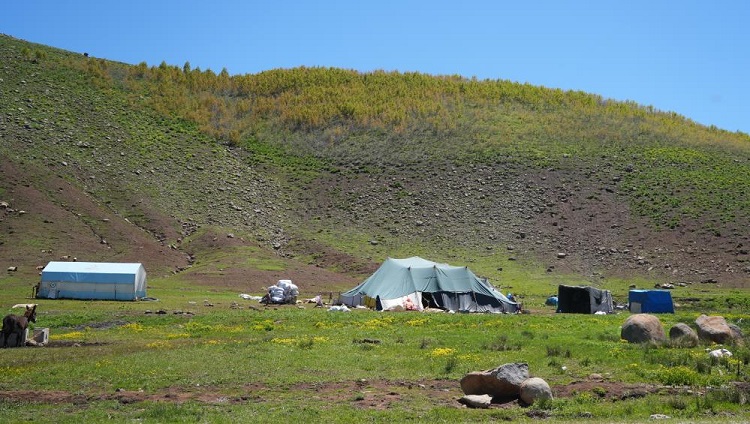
[370, 394]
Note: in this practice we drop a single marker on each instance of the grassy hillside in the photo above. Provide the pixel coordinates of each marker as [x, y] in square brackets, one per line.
[223, 184]
[334, 170]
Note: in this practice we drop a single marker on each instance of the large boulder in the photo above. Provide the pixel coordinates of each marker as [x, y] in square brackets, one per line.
[643, 328]
[501, 382]
[714, 329]
[682, 334]
[534, 389]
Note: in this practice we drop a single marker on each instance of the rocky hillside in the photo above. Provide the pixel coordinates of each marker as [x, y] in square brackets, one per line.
[330, 171]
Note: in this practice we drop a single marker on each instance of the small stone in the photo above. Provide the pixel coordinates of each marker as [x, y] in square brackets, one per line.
[476, 401]
[682, 335]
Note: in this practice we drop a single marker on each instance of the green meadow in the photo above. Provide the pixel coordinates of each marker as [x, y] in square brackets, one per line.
[202, 355]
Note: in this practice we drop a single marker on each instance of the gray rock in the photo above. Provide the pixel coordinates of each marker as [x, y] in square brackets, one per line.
[533, 389]
[736, 332]
[713, 328]
[476, 401]
[502, 382]
[682, 334]
[642, 328]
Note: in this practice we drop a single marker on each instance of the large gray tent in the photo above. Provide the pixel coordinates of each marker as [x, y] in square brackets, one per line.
[424, 283]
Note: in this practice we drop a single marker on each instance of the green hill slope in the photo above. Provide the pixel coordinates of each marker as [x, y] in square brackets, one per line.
[334, 170]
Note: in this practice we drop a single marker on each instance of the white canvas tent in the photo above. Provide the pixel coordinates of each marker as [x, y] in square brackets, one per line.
[424, 283]
[93, 280]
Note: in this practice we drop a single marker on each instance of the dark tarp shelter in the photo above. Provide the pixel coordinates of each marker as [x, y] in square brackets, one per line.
[650, 301]
[423, 283]
[583, 300]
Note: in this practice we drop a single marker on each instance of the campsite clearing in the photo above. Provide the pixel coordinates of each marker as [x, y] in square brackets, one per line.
[285, 362]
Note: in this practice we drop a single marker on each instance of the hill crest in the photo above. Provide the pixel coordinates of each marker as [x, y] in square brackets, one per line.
[330, 171]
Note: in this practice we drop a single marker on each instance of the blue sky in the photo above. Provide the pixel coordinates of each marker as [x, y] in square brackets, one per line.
[690, 57]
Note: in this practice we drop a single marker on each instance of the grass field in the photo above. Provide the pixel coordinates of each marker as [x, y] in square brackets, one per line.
[211, 356]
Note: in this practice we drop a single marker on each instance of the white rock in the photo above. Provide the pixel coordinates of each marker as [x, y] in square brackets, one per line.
[476, 401]
[720, 353]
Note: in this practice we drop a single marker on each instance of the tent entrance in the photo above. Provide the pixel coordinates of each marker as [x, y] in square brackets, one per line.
[583, 300]
[428, 301]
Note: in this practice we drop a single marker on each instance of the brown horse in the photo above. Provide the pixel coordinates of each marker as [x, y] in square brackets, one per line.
[14, 324]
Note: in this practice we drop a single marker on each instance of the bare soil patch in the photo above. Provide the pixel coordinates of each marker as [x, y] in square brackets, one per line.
[366, 394]
[332, 271]
[55, 220]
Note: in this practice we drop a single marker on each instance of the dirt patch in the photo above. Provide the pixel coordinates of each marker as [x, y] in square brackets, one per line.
[363, 394]
[72, 343]
[311, 280]
[55, 220]
[223, 263]
[377, 394]
[366, 394]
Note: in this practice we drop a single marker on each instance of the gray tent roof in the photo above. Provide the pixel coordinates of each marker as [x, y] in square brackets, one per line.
[400, 277]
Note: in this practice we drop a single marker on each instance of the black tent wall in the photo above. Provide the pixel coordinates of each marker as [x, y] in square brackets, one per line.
[573, 300]
[583, 300]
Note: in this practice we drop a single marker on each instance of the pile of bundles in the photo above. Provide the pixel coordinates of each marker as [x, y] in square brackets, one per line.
[284, 291]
